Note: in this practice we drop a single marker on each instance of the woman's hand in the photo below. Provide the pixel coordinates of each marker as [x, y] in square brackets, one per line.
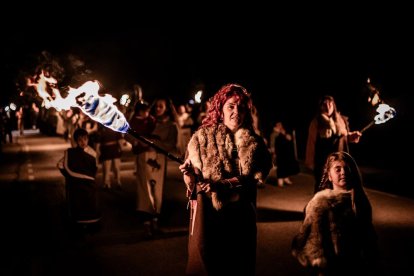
[187, 170]
[354, 136]
[207, 187]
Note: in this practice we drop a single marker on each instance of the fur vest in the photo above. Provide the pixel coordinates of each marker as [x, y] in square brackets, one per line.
[322, 128]
[329, 230]
[328, 126]
[210, 151]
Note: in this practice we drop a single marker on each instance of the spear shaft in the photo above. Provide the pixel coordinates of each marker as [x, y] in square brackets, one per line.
[367, 126]
[147, 141]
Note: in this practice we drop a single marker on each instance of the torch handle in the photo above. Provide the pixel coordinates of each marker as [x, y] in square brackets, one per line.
[197, 174]
[147, 141]
[367, 126]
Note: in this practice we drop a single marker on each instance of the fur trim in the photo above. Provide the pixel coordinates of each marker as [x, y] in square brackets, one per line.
[308, 245]
[329, 127]
[210, 151]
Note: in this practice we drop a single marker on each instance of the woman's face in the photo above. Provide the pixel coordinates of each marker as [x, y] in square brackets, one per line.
[160, 107]
[278, 127]
[233, 113]
[338, 174]
[328, 107]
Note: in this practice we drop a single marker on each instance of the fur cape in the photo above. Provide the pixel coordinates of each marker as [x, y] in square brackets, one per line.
[322, 127]
[322, 233]
[210, 151]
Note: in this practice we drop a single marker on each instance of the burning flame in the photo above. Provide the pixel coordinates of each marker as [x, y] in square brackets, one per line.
[385, 113]
[197, 96]
[86, 97]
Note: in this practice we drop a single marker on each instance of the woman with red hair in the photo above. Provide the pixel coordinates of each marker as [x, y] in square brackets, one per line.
[225, 162]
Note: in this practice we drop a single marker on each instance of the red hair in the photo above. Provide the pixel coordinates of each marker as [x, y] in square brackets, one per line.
[215, 110]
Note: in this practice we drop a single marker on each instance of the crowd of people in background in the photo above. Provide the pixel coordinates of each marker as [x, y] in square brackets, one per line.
[226, 157]
[328, 132]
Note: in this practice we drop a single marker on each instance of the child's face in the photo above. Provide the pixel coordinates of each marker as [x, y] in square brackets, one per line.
[82, 141]
[339, 174]
[144, 113]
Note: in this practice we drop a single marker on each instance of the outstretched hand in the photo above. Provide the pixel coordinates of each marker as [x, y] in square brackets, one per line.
[354, 136]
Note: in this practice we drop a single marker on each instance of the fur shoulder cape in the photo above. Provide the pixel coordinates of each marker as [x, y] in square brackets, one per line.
[210, 151]
[308, 244]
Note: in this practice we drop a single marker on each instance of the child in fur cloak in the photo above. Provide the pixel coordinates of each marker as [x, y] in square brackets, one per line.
[337, 236]
[226, 160]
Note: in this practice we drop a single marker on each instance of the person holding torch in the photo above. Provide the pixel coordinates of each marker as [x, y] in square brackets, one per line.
[328, 132]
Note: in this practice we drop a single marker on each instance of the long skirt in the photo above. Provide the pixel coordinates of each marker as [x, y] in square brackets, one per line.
[151, 169]
[82, 199]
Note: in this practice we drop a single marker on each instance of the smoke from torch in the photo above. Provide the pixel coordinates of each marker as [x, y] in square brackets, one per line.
[98, 108]
[374, 94]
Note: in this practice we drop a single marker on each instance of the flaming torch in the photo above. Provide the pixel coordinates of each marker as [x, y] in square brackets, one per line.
[98, 108]
[385, 113]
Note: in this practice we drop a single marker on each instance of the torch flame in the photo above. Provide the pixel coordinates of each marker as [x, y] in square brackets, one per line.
[98, 108]
[54, 100]
[197, 96]
[385, 113]
[85, 97]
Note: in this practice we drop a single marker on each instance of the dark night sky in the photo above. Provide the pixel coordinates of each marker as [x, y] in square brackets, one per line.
[293, 64]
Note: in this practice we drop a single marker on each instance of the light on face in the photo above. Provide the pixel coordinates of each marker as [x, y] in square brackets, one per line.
[83, 141]
[160, 107]
[233, 113]
[328, 107]
[338, 174]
